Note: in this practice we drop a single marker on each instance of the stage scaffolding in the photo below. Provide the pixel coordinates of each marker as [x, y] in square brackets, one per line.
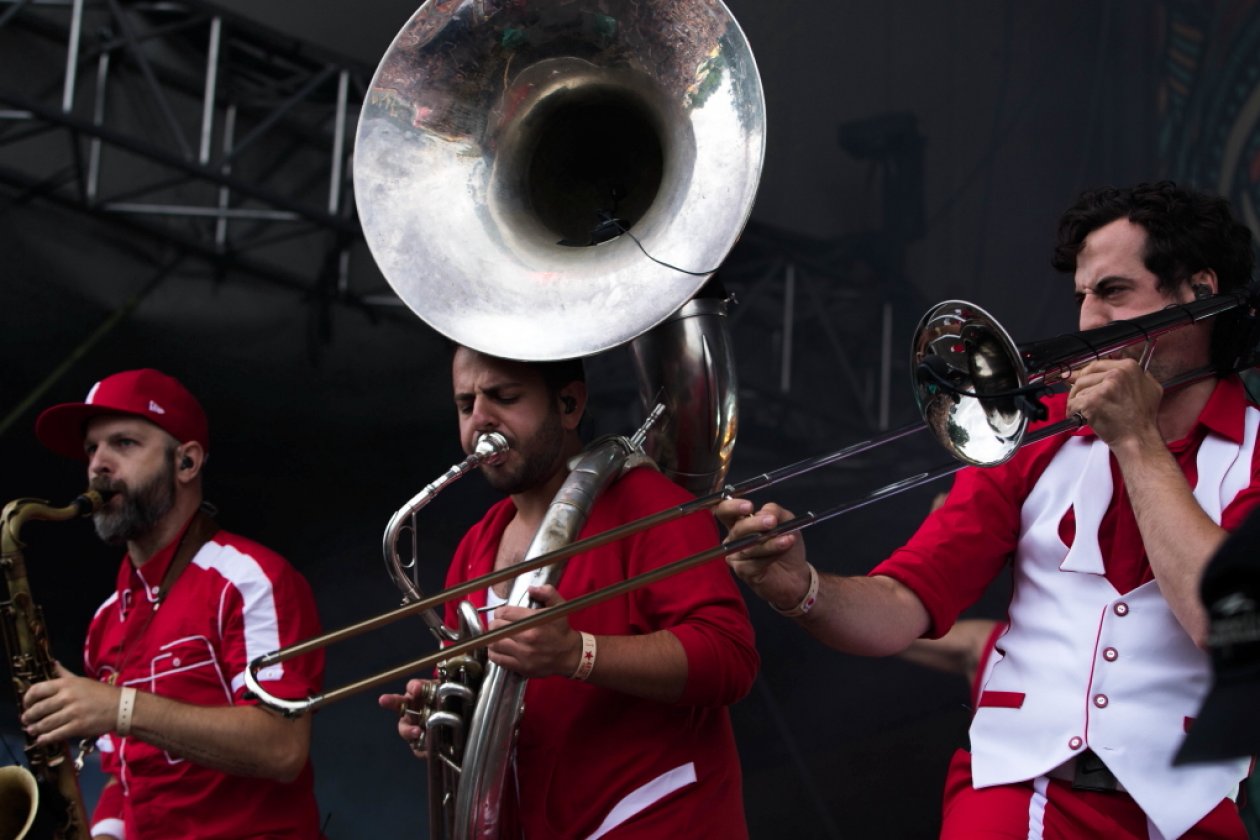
[190, 127]
[211, 141]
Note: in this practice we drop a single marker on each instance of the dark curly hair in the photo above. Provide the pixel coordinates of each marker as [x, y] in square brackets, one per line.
[1186, 232]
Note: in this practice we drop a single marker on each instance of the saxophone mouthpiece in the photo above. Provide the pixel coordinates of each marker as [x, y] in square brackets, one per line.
[92, 501]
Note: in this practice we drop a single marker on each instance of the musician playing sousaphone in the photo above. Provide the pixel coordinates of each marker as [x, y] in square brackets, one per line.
[1101, 670]
[186, 753]
[625, 731]
[546, 181]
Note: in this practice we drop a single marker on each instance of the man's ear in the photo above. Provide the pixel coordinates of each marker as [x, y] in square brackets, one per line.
[190, 457]
[572, 398]
[1204, 284]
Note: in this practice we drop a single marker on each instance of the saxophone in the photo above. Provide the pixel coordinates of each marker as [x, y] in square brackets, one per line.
[52, 779]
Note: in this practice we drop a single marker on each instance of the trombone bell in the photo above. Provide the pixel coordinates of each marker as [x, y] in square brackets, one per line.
[964, 367]
[976, 388]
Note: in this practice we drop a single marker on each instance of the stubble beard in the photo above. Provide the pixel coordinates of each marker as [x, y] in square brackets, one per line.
[539, 461]
[140, 509]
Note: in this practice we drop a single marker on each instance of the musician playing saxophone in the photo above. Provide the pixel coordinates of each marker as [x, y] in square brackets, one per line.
[187, 754]
[1100, 671]
[625, 731]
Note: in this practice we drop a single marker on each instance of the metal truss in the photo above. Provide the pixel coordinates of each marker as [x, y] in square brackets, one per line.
[216, 140]
[821, 331]
[859, 360]
[179, 122]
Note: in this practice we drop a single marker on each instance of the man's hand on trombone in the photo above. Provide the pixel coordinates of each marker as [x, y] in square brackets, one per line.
[1119, 400]
[549, 649]
[776, 570]
[873, 616]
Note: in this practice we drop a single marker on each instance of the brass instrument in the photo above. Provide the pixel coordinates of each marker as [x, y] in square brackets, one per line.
[50, 789]
[969, 378]
[489, 449]
[469, 712]
[446, 706]
[19, 801]
[484, 761]
[551, 179]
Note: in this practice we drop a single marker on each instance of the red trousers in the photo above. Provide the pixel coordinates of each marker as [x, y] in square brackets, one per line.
[1049, 809]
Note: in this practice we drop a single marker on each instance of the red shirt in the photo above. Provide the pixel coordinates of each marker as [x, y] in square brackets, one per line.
[583, 749]
[235, 601]
[962, 546]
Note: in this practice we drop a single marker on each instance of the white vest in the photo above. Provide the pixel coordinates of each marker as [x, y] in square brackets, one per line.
[1083, 666]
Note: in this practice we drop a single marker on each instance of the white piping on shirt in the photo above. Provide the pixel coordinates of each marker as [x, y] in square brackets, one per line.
[641, 798]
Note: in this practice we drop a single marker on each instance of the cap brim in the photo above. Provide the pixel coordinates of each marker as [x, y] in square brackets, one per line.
[61, 427]
[1228, 725]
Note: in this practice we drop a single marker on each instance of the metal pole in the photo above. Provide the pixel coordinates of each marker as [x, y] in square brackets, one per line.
[225, 194]
[339, 143]
[72, 56]
[212, 81]
[789, 326]
[98, 118]
[885, 366]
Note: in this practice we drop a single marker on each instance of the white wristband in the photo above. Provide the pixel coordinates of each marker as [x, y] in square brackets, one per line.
[126, 705]
[586, 662]
[807, 603]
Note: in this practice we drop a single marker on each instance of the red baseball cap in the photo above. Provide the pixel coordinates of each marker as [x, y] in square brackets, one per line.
[148, 394]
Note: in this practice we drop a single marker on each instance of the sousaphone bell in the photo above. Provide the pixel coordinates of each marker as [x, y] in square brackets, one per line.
[549, 179]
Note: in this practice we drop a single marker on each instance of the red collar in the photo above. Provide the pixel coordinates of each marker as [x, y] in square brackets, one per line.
[148, 578]
[1221, 414]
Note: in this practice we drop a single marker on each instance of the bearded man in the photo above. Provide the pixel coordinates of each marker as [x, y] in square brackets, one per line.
[625, 732]
[188, 755]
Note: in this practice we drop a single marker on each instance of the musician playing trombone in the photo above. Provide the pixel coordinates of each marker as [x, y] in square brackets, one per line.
[1101, 670]
[625, 731]
[186, 753]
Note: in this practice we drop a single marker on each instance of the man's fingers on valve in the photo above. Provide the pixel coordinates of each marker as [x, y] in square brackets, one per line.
[413, 733]
[410, 728]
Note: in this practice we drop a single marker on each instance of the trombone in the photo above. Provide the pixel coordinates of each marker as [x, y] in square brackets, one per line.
[976, 390]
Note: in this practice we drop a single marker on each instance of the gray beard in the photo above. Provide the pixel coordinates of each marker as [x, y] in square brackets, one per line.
[141, 510]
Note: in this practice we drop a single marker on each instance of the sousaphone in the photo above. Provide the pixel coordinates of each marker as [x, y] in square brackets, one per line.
[548, 179]
[531, 175]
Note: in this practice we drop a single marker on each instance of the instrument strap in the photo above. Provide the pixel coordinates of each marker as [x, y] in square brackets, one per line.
[198, 533]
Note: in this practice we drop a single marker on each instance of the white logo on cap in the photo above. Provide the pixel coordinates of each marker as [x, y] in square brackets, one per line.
[92, 393]
[155, 408]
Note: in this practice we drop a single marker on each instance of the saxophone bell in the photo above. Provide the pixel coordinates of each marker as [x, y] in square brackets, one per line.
[56, 808]
[19, 802]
